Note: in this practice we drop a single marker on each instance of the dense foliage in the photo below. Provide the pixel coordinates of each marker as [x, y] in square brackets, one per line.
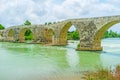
[1, 27]
[28, 35]
[111, 34]
[74, 35]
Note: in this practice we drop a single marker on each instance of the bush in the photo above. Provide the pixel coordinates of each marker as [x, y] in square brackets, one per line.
[1, 27]
[78, 45]
[103, 74]
[29, 37]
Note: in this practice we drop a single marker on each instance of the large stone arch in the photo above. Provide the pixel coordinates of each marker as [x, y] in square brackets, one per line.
[63, 33]
[10, 35]
[100, 33]
[22, 33]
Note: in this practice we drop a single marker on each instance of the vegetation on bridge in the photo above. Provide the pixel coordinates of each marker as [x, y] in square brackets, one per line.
[48, 23]
[27, 22]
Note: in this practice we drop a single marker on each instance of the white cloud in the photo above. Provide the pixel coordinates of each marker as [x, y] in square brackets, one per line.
[15, 12]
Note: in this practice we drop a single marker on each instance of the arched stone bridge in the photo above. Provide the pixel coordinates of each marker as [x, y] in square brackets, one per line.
[91, 31]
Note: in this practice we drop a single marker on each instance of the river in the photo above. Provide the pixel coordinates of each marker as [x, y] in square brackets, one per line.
[19, 61]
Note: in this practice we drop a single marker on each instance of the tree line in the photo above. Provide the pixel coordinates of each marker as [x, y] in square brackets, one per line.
[111, 34]
[74, 35]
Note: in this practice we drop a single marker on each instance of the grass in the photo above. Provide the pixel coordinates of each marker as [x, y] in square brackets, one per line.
[103, 74]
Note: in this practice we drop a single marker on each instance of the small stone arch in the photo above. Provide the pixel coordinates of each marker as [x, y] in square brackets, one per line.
[22, 33]
[10, 35]
[50, 35]
[100, 33]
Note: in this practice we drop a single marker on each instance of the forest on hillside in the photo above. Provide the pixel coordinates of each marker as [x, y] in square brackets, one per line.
[108, 34]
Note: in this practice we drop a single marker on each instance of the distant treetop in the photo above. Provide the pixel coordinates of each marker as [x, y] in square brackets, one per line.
[27, 22]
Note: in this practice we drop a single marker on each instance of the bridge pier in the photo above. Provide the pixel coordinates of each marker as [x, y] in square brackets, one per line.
[59, 42]
[21, 40]
[86, 46]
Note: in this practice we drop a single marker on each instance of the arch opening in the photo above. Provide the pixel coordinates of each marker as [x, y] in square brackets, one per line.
[106, 32]
[69, 33]
[10, 35]
[26, 35]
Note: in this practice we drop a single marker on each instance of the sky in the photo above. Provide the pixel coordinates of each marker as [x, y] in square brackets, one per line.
[16, 12]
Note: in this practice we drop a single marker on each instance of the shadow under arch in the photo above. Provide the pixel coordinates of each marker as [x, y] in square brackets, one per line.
[50, 35]
[1, 36]
[100, 33]
[22, 34]
[63, 33]
[11, 35]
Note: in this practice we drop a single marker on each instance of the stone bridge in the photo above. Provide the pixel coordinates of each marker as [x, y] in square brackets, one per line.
[91, 31]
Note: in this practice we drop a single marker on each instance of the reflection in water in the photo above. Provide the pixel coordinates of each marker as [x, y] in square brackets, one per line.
[111, 55]
[89, 60]
[111, 45]
[20, 61]
[109, 60]
[72, 57]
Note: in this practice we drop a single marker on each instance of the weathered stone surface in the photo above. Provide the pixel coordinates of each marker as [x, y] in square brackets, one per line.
[91, 31]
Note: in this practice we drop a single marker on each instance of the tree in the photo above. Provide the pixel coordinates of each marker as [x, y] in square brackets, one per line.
[28, 35]
[49, 23]
[28, 32]
[27, 22]
[1, 27]
[45, 23]
[74, 35]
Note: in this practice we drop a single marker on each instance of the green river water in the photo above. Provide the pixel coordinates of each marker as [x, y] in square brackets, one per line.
[19, 61]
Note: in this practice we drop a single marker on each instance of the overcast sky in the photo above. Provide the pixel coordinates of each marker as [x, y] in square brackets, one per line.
[15, 12]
